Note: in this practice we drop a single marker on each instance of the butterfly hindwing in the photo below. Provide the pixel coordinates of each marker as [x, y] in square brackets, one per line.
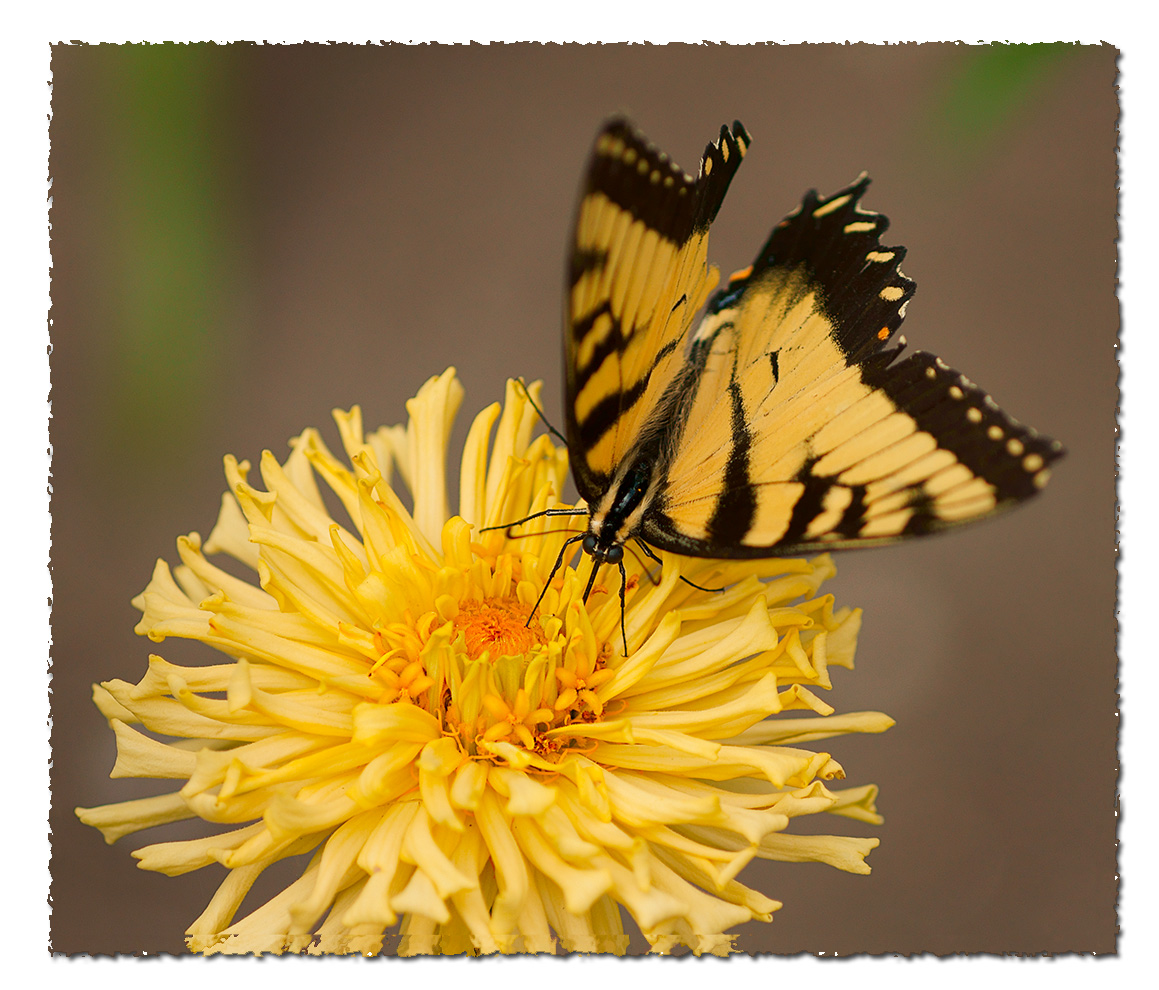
[804, 430]
[638, 276]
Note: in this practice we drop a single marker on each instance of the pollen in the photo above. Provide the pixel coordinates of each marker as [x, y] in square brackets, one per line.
[497, 627]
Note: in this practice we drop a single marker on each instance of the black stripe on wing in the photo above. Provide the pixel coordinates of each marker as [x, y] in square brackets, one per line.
[737, 504]
[641, 179]
[966, 421]
[861, 287]
[808, 506]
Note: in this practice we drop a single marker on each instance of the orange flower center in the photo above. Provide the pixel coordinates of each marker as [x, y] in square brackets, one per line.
[498, 627]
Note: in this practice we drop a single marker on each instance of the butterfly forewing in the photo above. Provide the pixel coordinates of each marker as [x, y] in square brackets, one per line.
[806, 431]
[638, 277]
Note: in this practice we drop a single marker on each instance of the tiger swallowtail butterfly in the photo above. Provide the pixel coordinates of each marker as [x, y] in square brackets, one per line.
[785, 420]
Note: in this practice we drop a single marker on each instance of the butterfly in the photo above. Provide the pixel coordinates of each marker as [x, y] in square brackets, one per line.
[785, 420]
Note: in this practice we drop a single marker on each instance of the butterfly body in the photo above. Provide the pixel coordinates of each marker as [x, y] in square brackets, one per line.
[784, 421]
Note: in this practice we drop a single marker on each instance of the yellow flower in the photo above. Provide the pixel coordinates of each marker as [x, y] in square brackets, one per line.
[484, 778]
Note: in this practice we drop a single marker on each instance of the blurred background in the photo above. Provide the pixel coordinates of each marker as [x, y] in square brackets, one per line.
[245, 237]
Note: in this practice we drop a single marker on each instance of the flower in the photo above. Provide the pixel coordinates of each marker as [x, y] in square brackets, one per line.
[487, 776]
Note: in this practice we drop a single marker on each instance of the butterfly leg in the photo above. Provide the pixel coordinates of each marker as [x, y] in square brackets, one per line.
[623, 590]
[648, 550]
[547, 583]
[623, 606]
[645, 570]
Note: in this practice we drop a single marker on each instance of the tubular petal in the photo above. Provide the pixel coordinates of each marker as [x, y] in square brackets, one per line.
[460, 742]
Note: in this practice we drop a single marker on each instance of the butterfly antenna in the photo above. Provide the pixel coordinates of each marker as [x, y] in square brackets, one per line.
[534, 405]
[547, 583]
[648, 550]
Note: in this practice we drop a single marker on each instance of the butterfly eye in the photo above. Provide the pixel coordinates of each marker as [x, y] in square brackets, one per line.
[589, 543]
[615, 554]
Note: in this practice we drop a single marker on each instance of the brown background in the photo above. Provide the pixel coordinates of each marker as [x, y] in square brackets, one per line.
[356, 219]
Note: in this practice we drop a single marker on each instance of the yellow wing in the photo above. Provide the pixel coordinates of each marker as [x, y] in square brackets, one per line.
[638, 276]
[803, 430]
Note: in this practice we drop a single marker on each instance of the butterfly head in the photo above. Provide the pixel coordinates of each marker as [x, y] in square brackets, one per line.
[604, 543]
[602, 551]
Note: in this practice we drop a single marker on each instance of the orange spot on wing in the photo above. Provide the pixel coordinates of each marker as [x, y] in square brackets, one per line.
[743, 273]
[883, 333]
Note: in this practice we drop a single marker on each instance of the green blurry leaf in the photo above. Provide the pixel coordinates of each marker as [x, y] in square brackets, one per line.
[974, 109]
[164, 159]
